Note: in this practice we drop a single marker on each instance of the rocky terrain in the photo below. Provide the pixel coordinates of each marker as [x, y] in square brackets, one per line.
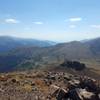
[47, 85]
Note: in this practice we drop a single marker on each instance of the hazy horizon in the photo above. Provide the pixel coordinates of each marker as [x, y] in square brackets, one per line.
[53, 20]
[30, 38]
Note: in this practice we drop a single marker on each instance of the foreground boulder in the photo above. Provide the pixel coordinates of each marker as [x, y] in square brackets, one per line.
[90, 84]
[74, 94]
[81, 94]
[59, 93]
[83, 89]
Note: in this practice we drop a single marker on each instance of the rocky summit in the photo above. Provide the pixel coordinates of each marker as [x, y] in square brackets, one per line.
[45, 85]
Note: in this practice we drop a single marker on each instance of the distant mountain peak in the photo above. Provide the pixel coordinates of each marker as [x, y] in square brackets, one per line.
[15, 42]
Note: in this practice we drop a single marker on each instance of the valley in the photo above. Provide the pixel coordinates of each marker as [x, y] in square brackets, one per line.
[29, 57]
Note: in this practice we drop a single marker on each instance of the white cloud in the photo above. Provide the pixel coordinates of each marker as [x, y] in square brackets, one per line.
[95, 26]
[72, 26]
[39, 23]
[74, 19]
[11, 21]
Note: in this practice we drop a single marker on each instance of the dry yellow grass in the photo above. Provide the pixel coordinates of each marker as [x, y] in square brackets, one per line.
[27, 87]
[93, 63]
[41, 85]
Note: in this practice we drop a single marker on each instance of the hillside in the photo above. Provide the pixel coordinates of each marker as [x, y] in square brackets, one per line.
[28, 57]
[94, 46]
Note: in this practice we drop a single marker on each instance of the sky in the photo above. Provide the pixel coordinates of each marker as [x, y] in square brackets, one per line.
[55, 20]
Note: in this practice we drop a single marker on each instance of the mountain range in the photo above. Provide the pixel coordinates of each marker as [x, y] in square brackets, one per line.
[28, 54]
[8, 43]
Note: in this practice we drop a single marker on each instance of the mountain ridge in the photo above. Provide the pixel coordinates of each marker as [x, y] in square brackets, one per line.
[8, 43]
[26, 57]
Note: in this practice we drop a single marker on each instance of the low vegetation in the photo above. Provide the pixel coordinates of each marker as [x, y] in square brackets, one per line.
[74, 65]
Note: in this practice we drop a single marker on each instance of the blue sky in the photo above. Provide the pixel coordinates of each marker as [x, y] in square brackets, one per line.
[56, 20]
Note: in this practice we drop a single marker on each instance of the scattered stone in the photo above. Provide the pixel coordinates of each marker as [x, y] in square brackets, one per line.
[3, 78]
[48, 86]
[66, 77]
